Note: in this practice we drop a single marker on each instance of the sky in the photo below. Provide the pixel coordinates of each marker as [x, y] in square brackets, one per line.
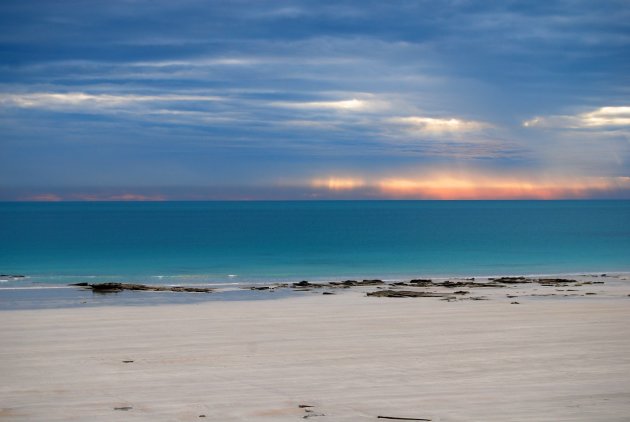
[301, 99]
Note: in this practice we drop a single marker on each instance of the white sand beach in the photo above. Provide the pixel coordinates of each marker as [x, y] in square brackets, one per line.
[350, 357]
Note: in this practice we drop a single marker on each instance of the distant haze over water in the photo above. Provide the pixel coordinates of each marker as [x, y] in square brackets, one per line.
[239, 242]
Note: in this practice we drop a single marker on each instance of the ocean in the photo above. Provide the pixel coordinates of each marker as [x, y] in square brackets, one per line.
[54, 244]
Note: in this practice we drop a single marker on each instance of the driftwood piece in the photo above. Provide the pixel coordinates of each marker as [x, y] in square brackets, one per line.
[402, 419]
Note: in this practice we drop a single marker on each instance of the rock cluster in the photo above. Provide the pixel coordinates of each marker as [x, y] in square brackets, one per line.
[405, 293]
[337, 284]
[411, 288]
[118, 287]
[11, 276]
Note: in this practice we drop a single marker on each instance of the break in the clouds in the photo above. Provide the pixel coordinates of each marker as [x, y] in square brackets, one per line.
[297, 99]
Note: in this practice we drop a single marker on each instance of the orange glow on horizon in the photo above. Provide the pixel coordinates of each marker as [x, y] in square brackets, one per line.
[432, 185]
[440, 185]
[487, 188]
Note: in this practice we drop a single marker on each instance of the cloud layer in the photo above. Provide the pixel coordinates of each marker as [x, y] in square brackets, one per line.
[349, 98]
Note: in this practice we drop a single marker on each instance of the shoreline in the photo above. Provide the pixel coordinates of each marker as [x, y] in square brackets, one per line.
[50, 297]
[342, 357]
[239, 279]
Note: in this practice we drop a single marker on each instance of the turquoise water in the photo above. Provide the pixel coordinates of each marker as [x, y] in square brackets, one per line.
[240, 242]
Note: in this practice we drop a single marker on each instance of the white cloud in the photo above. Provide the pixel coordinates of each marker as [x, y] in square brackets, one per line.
[602, 118]
[608, 116]
[75, 99]
[341, 102]
[437, 126]
[343, 105]
[202, 62]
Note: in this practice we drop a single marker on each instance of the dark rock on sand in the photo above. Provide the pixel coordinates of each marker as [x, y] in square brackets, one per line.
[336, 284]
[371, 282]
[310, 411]
[421, 282]
[354, 283]
[343, 284]
[106, 287]
[306, 284]
[405, 293]
[12, 276]
[510, 280]
[555, 282]
[468, 283]
[459, 284]
[118, 287]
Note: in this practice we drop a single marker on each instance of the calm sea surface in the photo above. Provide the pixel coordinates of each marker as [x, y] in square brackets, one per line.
[240, 242]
